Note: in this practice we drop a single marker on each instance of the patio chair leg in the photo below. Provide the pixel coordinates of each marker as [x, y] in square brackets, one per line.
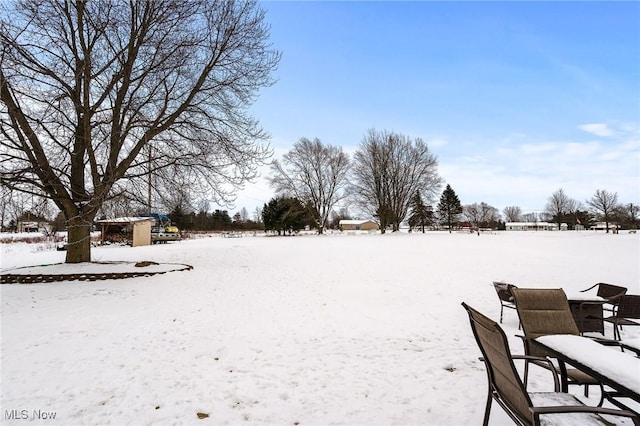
[601, 395]
[487, 410]
[526, 373]
[586, 391]
[501, 309]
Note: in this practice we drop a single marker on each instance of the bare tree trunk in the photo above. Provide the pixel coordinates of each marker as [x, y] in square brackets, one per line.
[79, 237]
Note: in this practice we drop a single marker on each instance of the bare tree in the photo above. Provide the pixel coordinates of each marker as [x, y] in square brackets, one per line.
[244, 214]
[481, 215]
[15, 204]
[124, 204]
[389, 169]
[559, 205]
[257, 215]
[603, 204]
[629, 215]
[87, 87]
[512, 213]
[315, 174]
[41, 207]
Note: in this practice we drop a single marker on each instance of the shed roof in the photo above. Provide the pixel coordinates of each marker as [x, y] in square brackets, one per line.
[127, 219]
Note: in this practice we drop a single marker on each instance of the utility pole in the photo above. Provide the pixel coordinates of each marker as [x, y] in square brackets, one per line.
[149, 178]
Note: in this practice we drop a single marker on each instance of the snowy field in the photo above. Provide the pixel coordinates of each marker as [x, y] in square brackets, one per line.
[305, 330]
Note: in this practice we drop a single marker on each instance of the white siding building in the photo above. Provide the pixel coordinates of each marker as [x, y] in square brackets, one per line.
[530, 226]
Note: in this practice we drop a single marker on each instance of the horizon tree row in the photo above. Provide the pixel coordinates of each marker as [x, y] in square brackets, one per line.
[387, 171]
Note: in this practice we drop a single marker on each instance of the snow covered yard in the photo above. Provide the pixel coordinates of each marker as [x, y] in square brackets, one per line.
[309, 330]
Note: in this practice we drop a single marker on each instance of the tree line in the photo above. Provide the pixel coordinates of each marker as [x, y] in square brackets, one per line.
[382, 180]
[393, 179]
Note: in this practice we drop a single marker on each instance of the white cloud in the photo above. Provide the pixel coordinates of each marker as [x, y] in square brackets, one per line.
[437, 142]
[573, 149]
[598, 129]
[522, 171]
[525, 174]
[538, 148]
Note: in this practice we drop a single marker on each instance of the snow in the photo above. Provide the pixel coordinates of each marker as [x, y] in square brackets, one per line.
[621, 367]
[312, 330]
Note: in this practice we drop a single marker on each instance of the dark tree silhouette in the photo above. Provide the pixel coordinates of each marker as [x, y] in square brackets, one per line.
[449, 208]
[421, 215]
[283, 214]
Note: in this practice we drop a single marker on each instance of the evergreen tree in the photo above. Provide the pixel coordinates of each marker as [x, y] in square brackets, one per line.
[449, 207]
[179, 218]
[283, 215]
[220, 220]
[421, 214]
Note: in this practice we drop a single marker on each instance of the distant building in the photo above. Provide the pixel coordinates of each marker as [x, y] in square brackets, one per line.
[34, 226]
[602, 226]
[131, 230]
[530, 226]
[358, 225]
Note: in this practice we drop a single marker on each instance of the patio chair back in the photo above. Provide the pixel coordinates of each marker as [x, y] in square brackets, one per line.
[610, 292]
[505, 295]
[543, 312]
[505, 385]
[628, 309]
[629, 306]
[504, 291]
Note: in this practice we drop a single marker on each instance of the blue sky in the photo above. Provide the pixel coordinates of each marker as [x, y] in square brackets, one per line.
[516, 99]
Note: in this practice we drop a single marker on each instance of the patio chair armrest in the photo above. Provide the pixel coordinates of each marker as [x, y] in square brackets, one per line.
[590, 288]
[604, 341]
[532, 358]
[547, 360]
[564, 409]
[524, 339]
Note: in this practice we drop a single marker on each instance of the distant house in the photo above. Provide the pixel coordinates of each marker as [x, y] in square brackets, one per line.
[358, 225]
[33, 226]
[530, 226]
[29, 222]
[602, 226]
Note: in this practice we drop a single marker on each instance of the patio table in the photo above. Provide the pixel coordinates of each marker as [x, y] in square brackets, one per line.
[612, 367]
[587, 312]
